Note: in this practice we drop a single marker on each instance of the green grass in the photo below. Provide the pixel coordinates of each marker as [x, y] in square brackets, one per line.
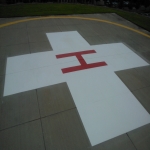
[22, 10]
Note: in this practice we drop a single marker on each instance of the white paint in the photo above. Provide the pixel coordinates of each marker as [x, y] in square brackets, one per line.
[68, 41]
[33, 61]
[120, 61]
[106, 106]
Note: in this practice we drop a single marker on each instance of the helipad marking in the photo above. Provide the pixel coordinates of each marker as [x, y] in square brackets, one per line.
[106, 106]
[76, 17]
[83, 65]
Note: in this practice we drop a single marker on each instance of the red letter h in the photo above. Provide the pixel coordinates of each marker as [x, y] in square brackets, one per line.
[83, 65]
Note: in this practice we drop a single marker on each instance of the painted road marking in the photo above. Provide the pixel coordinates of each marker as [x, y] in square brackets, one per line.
[83, 65]
[73, 40]
[106, 106]
[75, 17]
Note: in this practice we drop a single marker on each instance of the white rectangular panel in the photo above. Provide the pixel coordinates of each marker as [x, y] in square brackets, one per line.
[35, 78]
[67, 41]
[106, 106]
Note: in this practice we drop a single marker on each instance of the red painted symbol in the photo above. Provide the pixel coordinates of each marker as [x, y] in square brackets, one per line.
[83, 65]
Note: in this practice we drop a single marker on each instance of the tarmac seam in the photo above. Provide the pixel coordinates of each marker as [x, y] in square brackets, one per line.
[131, 141]
[36, 119]
[76, 17]
[41, 120]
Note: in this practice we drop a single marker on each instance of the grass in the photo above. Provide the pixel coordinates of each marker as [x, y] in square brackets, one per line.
[22, 10]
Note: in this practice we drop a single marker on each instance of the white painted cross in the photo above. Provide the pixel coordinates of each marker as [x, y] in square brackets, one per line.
[106, 106]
